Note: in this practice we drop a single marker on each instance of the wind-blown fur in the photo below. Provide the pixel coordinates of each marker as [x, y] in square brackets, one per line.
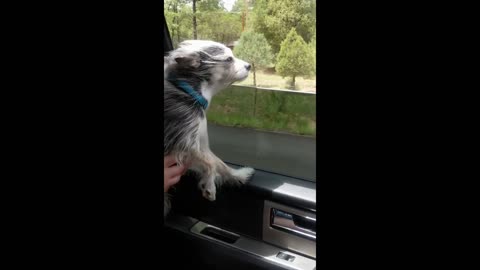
[208, 67]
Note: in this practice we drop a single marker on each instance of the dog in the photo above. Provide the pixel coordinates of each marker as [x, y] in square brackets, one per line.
[194, 73]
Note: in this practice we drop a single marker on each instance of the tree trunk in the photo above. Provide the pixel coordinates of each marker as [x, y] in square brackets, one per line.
[293, 82]
[255, 102]
[243, 22]
[254, 75]
[194, 19]
[254, 84]
[176, 21]
[178, 35]
[244, 15]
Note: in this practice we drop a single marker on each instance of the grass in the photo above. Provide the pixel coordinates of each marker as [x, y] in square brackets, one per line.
[274, 111]
[268, 79]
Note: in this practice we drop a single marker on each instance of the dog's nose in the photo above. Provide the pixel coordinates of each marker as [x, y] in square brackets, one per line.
[248, 66]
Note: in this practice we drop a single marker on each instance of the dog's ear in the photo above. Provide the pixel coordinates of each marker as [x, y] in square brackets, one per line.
[188, 61]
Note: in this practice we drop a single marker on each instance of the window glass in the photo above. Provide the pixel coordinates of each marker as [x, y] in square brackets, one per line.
[267, 121]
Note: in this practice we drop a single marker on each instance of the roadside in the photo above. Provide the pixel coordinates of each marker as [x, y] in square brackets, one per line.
[277, 111]
[269, 79]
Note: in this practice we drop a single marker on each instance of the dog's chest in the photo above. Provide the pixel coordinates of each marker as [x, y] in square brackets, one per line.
[203, 134]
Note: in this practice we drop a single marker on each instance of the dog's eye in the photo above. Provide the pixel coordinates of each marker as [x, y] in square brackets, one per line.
[229, 59]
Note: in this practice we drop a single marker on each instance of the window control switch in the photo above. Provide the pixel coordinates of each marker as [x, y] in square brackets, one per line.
[285, 257]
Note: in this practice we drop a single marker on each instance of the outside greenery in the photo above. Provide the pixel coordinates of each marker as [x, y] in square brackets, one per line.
[274, 110]
[268, 79]
[278, 38]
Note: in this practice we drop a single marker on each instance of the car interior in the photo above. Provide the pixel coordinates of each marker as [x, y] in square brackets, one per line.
[269, 223]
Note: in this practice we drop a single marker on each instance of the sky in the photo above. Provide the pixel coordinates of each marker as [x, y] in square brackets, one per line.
[228, 4]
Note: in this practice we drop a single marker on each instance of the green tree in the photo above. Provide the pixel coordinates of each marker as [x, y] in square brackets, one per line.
[243, 7]
[254, 48]
[313, 48]
[179, 19]
[212, 21]
[210, 5]
[239, 5]
[204, 7]
[275, 18]
[219, 26]
[295, 58]
[194, 8]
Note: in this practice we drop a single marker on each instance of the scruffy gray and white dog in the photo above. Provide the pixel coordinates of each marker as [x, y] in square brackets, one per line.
[194, 73]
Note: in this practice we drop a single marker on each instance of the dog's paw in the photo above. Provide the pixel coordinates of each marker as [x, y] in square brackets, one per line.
[243, 174]
[208, 189]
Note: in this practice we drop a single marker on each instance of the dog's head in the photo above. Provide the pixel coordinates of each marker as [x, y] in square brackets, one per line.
[206, 63]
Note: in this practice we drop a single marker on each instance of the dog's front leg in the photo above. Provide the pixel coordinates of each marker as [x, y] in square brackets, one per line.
[203, 165]
[217, 173]
[229, 175]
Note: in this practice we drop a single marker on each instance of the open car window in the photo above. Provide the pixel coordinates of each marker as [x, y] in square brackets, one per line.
[267, 121]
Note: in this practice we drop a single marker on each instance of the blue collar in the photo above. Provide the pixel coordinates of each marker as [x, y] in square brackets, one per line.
[189, 90]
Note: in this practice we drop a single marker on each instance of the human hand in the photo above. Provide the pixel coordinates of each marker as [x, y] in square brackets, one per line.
[171, 172]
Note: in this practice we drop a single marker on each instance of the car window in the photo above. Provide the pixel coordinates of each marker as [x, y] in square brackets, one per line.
[267, 121]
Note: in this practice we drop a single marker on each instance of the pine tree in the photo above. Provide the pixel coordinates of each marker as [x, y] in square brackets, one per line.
[254, 49]
[295, 58]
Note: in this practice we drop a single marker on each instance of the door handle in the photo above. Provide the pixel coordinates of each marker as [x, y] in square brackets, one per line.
[273, 254]
[299, 225]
